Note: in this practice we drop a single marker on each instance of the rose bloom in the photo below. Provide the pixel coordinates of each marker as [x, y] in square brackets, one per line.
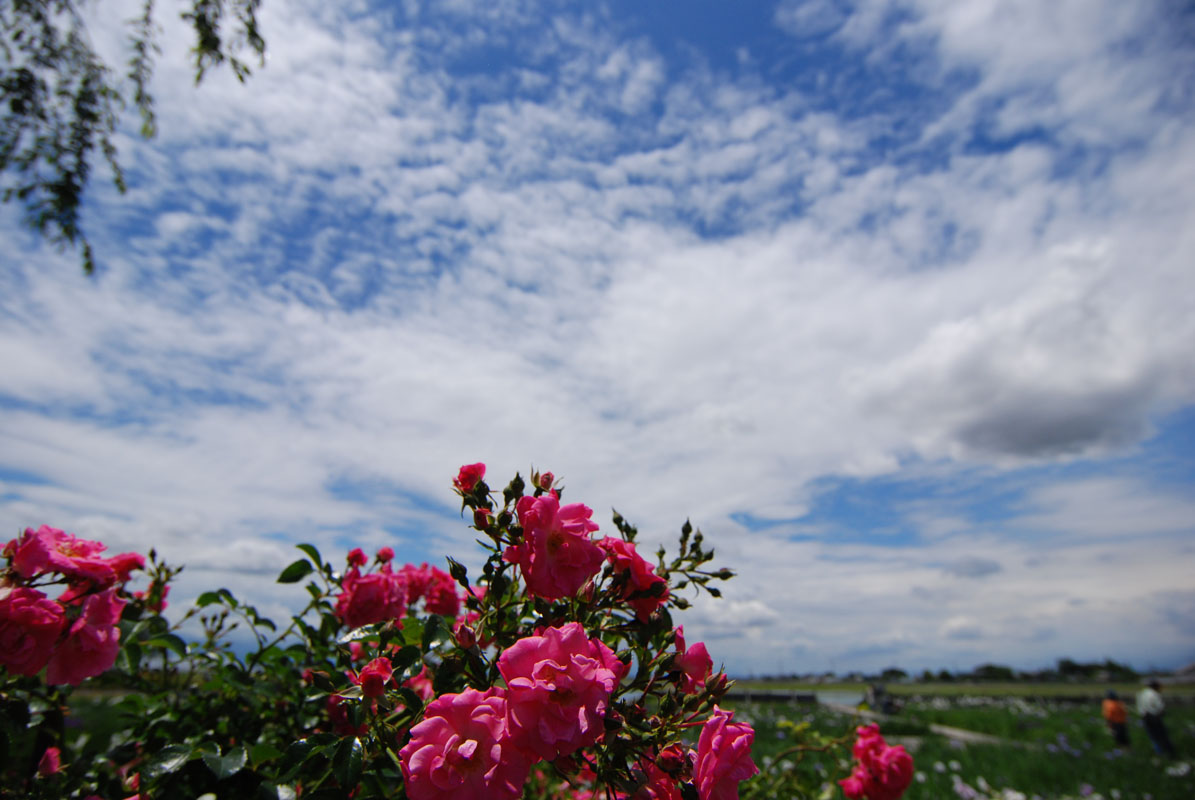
[366, 599]
[468, 477]
[723, 757]
[643, 589]
[461, 751]
[557, 556]
[375, 675]
[29, 625]
[385, 554]
[658, 786]
[91, 645]
[695, 663]
[882, 772]
[52, 550]
[434, 586]
[558, 688]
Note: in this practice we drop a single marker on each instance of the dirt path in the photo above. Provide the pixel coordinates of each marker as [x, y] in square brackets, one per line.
[958, 734]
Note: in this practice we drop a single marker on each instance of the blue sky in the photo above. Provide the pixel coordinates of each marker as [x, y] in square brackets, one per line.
[892, 298]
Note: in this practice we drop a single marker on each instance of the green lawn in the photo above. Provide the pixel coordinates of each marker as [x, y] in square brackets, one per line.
[960, 689]
[1054, 750]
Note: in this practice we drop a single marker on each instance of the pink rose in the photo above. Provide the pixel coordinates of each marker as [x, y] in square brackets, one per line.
[723, 757]
[52, 550]
[557, 556]
[461, 750]
[695, 663]
[29, 626]
[125, 563]
[468, 477]
[658, 786]
[434, 586]
[385, 554]
[91, 645]
[852, 787]
[50, 763]
[366, 599]
[641, 587]
[882, 772]
[558, 688]
[357, 557]
[375, 675]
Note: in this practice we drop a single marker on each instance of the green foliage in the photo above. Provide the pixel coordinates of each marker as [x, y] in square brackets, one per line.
[1050, 750]
[61, 103]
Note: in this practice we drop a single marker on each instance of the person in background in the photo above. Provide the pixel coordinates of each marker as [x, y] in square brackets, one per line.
[1117, 718]
[1151, 708]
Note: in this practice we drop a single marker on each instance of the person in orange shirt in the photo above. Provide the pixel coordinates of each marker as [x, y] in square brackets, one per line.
[1117, 718]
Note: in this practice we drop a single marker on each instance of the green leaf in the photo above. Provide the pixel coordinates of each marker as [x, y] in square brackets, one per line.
[262, 753]
[310, 550]
[348, 763]
[227, 765]
[207, 598]
[410, 699]
[296, 571]
[357, 634]
[434, 631]
[167, 760]
[412, 630]
[405, 657]
[130, 657]
[170, 642]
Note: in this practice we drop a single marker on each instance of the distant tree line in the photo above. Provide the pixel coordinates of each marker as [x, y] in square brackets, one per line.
[1066, 670]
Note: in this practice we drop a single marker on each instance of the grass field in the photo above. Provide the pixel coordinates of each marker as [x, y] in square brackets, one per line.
[1184, 692]
[1051, 750]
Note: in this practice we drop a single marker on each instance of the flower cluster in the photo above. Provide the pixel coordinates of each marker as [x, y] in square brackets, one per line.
[386, 594]
[74, 636]
[547, 688]
[881, 772]
[556, 671]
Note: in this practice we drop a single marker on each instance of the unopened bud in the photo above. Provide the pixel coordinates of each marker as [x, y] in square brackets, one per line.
[481, 518]
[672, 760]
[466, 637]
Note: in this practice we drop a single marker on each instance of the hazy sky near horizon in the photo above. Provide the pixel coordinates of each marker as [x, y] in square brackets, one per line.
[894, 299]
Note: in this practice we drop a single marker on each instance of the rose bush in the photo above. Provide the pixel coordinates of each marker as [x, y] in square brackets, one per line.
[556, 672]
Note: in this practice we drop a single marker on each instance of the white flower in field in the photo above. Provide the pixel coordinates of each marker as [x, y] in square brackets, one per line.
[982, 783]
[1012, 794]
[1178, 770]
[1115, 793]
[920, 776]
[939, 767]
[955, 766]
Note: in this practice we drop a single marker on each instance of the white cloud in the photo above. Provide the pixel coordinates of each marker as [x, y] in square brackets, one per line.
[686, 293]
